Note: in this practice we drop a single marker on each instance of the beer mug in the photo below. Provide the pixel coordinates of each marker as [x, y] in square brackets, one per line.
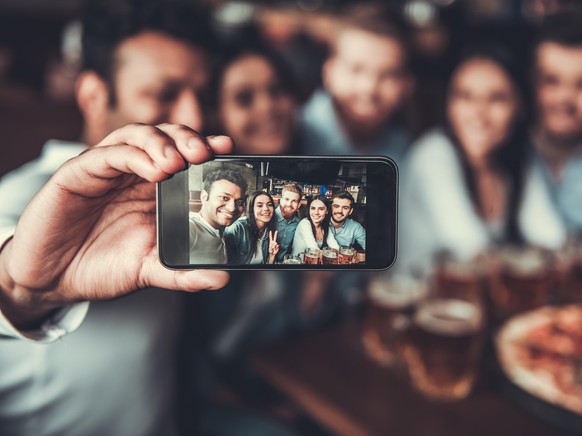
[311, 256]
[391, 303]
[329, 256]
[461, 277]
[443, 346]
[568, 272]
[346, 255]
[289, 259]
[521, 280]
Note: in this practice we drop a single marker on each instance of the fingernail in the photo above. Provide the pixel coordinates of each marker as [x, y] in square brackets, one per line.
[215, 137]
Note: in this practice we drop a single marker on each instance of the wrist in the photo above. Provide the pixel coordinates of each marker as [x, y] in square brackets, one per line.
[17, 304]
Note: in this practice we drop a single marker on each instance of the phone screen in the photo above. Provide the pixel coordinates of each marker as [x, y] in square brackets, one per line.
[280, 212]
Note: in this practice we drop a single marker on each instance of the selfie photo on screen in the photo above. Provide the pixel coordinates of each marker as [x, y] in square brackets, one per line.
[269, 212]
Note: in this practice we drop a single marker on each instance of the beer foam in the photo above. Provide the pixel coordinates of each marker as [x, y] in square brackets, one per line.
[463, 270]
[451, 317]
[398, 292]
[524, 262]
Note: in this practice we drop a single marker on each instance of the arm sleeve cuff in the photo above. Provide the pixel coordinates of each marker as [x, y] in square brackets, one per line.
[65, 321]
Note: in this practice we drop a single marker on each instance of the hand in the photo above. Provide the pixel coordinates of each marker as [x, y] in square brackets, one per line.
[273, 246]
[89, 234]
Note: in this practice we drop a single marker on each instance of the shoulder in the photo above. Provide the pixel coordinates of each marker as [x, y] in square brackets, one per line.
[433, 155]
[317, 106]
[433, 144]
[240, 225]
[303, 225]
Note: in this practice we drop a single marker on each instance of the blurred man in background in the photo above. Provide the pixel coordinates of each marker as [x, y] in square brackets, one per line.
[366, 80]
[558, 133]
[144, 62]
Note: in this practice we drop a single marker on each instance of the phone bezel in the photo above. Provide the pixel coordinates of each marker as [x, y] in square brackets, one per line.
[173, 230]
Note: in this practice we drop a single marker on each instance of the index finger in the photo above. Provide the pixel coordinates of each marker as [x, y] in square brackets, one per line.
[194, 147]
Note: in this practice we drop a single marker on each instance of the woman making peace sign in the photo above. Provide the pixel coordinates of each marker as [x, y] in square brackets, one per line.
[253, 239]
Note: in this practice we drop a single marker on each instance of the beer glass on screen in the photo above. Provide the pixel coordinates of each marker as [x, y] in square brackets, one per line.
[522, 279]
[311, 256]
[329, 256]
[290, 259]
[347, 255]
[391, 303]
[443, 346]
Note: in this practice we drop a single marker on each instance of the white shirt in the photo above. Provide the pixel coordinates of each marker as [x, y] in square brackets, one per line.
[206, 243]
[113, 376]
[304, 238]
[437, 212]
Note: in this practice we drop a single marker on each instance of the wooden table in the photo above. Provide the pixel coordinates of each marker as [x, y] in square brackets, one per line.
[328, 375]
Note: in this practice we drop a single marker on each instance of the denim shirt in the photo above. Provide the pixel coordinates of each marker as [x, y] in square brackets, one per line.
[350, 232]
[566, 191]
[285, 232]
[238, 244]
[321, 132]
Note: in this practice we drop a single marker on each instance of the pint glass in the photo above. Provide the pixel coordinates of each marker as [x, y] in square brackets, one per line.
[443, 346]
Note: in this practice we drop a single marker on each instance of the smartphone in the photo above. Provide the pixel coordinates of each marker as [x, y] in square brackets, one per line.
[280, 212]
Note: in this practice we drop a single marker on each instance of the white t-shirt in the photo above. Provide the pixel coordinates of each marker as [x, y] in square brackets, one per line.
[304, 238]
[113, 376]
[437, 213]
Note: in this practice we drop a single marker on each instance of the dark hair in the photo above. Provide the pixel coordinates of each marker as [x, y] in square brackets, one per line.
[326, 220]
[231, 53]
[511, 157]
[379, 19]
[254, 233]
[108, 23]
[564, 28]
[224, 174]
[344, 195]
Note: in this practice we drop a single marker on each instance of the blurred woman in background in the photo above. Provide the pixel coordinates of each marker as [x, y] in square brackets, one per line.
[472, 183]
[313, 231]
[253, 239]
[253, 99]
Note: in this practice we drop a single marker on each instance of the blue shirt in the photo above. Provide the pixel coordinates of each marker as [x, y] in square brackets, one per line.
[351, 231]
[285, 232]
[321, 133]
[566, 191]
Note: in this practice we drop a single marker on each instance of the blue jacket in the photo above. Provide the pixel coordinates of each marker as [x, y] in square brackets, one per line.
[238, 243]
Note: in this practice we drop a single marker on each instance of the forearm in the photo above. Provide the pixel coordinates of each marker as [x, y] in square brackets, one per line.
[17, 304]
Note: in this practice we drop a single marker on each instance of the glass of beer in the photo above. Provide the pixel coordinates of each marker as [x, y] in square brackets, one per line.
[289, 259]
[461, 277]
[569, 272]
[521, 280]
[329, 256]
[391, 303]
[347, 255]
[443, 346]
[311, 256]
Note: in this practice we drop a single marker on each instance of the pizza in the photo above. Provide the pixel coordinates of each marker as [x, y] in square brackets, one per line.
[541, 352]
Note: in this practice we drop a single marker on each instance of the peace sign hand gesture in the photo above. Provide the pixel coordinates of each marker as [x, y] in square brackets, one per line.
[273, 246]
